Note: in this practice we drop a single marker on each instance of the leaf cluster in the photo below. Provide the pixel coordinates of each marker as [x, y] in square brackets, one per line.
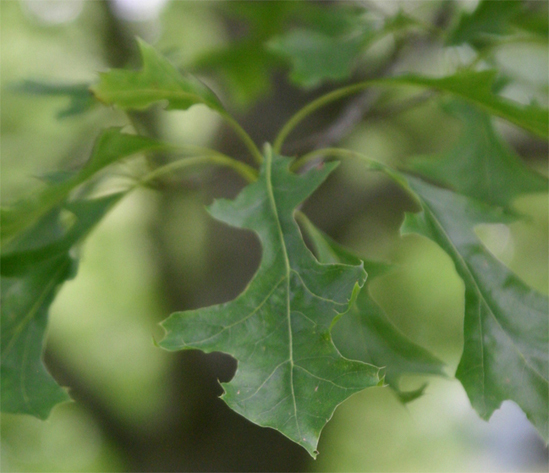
[306, 332]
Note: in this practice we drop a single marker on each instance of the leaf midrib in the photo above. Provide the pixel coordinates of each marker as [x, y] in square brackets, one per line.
[272, 202]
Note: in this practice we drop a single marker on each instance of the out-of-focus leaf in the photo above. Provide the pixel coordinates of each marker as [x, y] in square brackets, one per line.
[317, 57]
[333, 20]
[477, 87]
[506, 329]
[534, 20]
[81, 99]
[245, 66]
[157, 81]
[50, 239]
[489, 19]
[326, 47]
[481, 165]
[111, 146]
[290, 375]
[365, 333]
[265, 18]
[30, 279]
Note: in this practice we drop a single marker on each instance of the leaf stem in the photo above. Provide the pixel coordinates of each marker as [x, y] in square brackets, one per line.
[258, 157]
[317, 104]
[245, 171]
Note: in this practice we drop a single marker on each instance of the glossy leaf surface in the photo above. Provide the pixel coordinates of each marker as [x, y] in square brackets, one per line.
[157, 81]
[506, 328]
[290, 375]
[365, 333]
[481, 165]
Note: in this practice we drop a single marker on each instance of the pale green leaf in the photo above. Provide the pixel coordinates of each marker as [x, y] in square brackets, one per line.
[290, 375]
[506, 328]
[481, 165]
[157, 81]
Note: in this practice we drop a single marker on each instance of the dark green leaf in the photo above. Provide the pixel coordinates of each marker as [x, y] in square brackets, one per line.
[481, 165]
[477, 88]
[157, 81]
[49, 239]
[81, 99]
[245, 66]
[290, 376]
[506, 329]
[111, 146]
[27, 388]
[30, 279]
[365, 333]
[490, 18]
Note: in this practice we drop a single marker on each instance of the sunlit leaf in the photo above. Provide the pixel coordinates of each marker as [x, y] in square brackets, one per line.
[365, 333]
[481, 165]
[506, 328]
[290, 375]
[157, 81]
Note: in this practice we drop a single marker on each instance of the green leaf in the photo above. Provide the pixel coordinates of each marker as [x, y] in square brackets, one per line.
[367, 334]
[476, 87]
[27, 388]
[245, 66]
[317, 57]
[489, 19]
[326, 45]
[290, 375]
[81, 99]
[534, 19]
[481, 165]
[38, 233]
[110, 146]
[157, 81]
[506, 328]
[30, 279]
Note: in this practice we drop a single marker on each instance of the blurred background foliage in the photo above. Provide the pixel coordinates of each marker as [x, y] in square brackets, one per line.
[141, 409]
